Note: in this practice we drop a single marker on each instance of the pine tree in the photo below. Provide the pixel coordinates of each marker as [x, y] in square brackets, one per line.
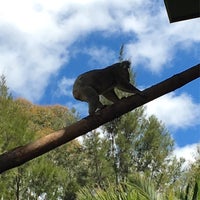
[13, 132]
[96, 150]
[4, 90]
[138, 143]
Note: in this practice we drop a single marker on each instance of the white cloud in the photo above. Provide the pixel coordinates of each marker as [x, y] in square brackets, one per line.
[156, 40]
[175, 111]
[65, 87]
[187, 152]
[100, 56]
[30, 51]
[36, 35]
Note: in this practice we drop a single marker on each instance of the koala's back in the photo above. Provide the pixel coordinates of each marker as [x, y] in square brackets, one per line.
[100, 79]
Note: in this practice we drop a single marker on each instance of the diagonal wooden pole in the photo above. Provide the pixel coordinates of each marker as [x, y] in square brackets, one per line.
[22, 154]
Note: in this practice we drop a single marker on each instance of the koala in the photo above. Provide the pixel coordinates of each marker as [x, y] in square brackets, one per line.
[88, 86]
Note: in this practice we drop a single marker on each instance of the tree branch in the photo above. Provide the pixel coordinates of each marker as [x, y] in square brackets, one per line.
[20, 155]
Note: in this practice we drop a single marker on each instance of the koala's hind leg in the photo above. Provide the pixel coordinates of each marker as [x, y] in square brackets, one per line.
[111, 96]
[92, 97]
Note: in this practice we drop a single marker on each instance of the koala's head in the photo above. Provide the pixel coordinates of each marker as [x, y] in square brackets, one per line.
[123, 70]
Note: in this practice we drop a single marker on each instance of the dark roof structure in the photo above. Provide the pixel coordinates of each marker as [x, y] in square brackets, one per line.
[178, 10]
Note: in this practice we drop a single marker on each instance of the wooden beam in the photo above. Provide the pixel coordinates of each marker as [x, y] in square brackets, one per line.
[22, 154]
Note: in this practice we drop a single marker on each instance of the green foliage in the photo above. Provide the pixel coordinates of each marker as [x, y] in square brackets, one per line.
[111, 164]
[45, 178]
[13, 121]
[45, 119]
[21, 122]
[121, 53]
[139, 188]
[190, 191]
[141, 144]
[96, 149]
[4, 90]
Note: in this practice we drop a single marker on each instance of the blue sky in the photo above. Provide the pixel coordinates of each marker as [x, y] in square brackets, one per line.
[45, 45]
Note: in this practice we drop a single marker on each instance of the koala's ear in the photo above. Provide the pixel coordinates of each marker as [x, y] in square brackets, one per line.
[126, 64]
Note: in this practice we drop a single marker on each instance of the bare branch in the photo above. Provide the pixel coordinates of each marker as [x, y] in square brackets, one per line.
[20, 155]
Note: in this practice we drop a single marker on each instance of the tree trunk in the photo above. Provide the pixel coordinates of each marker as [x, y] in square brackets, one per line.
[22, 154]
